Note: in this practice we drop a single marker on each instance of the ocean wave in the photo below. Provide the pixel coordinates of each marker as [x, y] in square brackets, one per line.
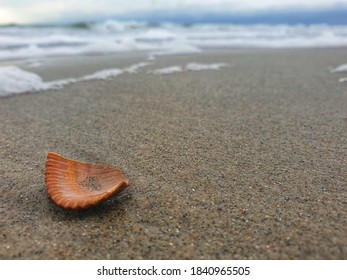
[33, 41]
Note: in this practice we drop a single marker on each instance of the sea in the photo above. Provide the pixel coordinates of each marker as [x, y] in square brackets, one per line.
[36, 42]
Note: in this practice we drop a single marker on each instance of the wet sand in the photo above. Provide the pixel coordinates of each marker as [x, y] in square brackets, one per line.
[247, 162]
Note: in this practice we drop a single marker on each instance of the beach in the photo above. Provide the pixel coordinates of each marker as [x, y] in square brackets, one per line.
[245, 162]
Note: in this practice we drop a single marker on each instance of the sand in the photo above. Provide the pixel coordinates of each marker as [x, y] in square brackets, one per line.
[247, 162]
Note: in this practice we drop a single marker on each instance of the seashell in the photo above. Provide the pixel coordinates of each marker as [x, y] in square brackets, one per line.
[78, 185]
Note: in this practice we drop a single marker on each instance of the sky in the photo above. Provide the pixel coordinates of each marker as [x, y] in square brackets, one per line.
[36, 11]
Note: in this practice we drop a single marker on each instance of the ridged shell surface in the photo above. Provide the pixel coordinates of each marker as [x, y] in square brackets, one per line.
[78, 185]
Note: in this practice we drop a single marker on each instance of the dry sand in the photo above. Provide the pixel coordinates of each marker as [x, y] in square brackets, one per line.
[248, 162]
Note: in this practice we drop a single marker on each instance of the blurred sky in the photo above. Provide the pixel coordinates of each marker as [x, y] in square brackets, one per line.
[35, 11]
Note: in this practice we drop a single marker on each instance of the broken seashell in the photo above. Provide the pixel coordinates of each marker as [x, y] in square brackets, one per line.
[78, 185]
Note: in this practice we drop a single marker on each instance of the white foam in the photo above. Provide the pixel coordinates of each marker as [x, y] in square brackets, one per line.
[104, 74]
[133, 69]
[114, 26]
[198, 66]
[193, 66]
[14, 80]
[340, 68]
[167, 70]
[57, 84]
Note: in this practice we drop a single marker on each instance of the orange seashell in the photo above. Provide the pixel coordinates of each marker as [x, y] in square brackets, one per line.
[78, 185]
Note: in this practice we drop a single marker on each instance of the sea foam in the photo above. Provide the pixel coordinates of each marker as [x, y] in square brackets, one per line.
[167, 70]
[193, 66]
[198, 66]
[104, 74]
[340, 68]
[15, 80]
[133, 69]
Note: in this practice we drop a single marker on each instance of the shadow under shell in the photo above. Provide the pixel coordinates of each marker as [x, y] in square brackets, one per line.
[79, 185]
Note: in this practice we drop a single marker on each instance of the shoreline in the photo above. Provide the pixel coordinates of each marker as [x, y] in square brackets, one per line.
[245, 162]
[57, 72]
[98, 62]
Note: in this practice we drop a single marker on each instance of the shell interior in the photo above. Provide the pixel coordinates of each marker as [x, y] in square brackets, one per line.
[77, 185]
